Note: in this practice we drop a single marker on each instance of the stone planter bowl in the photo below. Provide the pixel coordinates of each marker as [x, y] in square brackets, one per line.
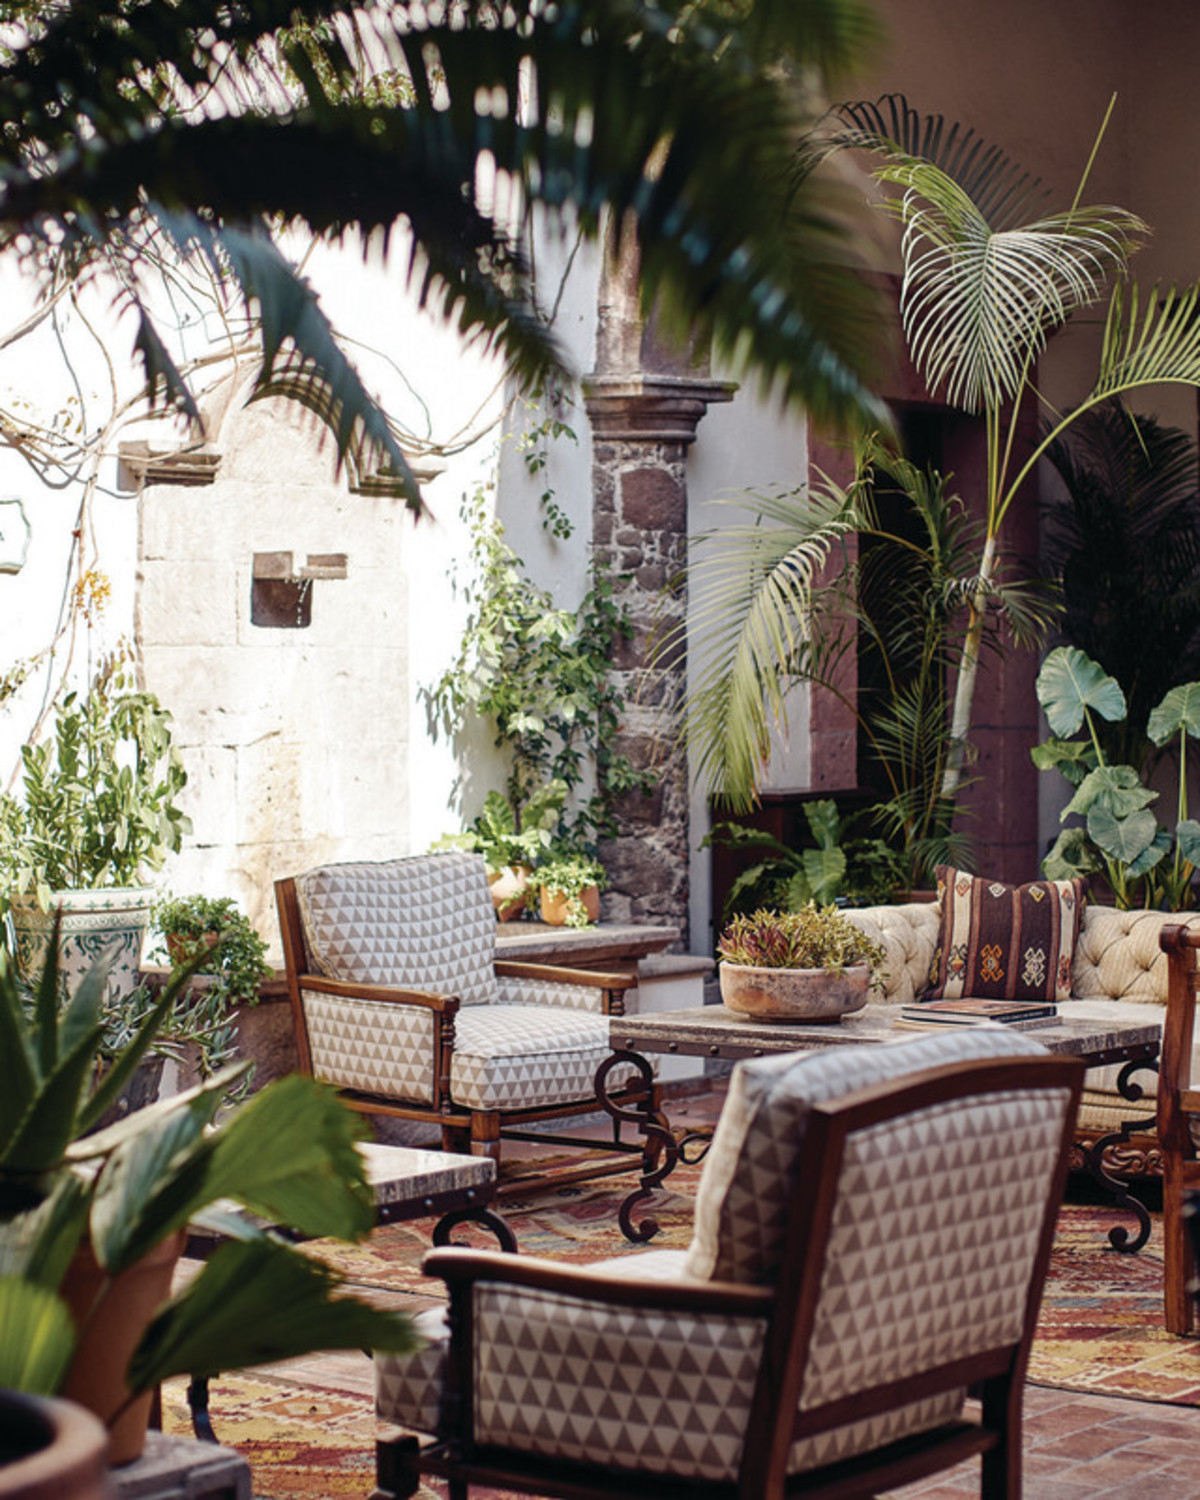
[797, 995]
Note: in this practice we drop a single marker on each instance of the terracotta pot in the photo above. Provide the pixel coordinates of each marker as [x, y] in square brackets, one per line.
[798, 995]
[50, 1450]
[180, 949]
[510, 891]
[554, 907]
[111, 1319]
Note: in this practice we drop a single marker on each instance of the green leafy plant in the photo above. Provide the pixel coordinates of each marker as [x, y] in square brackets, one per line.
[567, 878]
[1123, 538]
[539, 675]
[214, 930]
[1144, 863]
[99, 804]
[288, 1156]
[815, 937]
[495, 833]
[836, 865]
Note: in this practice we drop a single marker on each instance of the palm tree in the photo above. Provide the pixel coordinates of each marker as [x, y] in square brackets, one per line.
[988, 275]
[127, 126]
[789, 601]
[983, 288]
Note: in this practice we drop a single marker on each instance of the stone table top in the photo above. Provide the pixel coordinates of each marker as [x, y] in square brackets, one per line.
[606, 943]
[715, 1031]
[409, 1174]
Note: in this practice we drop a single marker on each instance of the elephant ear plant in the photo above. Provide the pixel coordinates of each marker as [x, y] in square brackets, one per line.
[1145, 864]
[288, 1156]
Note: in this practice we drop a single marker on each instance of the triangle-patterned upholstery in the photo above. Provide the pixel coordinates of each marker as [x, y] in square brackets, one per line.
[426, 923]
[937, 1218]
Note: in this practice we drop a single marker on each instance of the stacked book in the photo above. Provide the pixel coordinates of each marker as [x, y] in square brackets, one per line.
[1021, 1015]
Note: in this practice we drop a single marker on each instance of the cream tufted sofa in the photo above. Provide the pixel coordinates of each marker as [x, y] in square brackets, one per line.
[1119, 970]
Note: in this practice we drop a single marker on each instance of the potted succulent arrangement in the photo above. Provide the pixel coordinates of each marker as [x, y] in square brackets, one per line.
[807, 965]
[90, 1216]
[98, 809]
[212, 929]
[569, 886]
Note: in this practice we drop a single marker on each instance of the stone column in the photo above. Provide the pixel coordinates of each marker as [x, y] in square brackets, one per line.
[644, 401]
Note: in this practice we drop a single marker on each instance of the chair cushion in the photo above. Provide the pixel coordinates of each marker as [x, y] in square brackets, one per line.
[518, 1056]
[1005, 942]
[748, 1174]
[424, 923]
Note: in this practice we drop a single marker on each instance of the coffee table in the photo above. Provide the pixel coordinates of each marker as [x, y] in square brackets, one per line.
[713, 1031]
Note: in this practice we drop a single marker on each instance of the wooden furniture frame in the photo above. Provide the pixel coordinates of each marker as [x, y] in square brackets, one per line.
[464, 1130]
[788, 1311]
[1178, 1112]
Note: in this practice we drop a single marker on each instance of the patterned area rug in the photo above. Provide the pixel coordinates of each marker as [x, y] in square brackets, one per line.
[1100, 1332]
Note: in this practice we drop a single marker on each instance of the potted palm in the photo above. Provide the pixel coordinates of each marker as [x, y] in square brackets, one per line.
[807, 965]
[90, 1216]
[98, 810]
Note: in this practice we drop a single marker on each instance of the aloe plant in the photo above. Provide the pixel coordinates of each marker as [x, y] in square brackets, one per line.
[288, 1156]
[1120, 836]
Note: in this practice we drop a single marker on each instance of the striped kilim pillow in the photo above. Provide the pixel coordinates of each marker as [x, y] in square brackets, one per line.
[1004, 942]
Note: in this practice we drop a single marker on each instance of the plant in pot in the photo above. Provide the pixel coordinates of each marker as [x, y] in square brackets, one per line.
[1120, 838]
[806, 965]
[233, 955]
[511, 839]
[92, 1216]
[98, 809]
[570, 887]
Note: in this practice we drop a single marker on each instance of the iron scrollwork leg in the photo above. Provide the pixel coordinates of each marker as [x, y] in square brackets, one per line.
[660, 1151]
[1118, 1236]
[446, 1225]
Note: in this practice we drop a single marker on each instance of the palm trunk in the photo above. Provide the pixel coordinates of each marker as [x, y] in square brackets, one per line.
[968, 670]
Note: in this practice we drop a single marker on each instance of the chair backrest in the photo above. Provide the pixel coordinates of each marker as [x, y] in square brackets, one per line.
[902, 1199]
[425, 922]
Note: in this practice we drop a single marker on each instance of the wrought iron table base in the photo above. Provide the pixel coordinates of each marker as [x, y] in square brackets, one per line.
[1118, 1236]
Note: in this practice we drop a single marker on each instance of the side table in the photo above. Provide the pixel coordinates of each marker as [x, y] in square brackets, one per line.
[177, 1468]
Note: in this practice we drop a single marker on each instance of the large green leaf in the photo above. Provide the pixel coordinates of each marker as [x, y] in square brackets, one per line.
[38, 1244]
[1187, 836]
[1123, 838]
[1179, 711]
[1150, 857]
[1071, 758]
[38, 1339]
[1071, 854]
[826, 870]
[1069, 684]
[1117, 788]
[254, 1303]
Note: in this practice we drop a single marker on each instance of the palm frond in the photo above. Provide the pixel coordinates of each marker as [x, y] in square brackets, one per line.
[1149, 338]
[756, 594]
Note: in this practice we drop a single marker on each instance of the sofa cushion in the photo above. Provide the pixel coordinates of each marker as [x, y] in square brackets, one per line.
[908, 936]
[1005, 942]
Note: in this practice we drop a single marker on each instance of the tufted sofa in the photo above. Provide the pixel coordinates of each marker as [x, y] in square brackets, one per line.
[1119, 970]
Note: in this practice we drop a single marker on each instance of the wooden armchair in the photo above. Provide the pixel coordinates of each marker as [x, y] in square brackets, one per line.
[398, 999]
[872, 1231]
[1179, 1124]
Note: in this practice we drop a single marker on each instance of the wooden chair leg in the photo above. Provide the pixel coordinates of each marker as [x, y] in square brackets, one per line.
[1179, 1310]
[1000, 1472]
[485, 1134]
[456, 1138]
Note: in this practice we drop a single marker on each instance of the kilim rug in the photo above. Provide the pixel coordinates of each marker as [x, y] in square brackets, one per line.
[306, 1436]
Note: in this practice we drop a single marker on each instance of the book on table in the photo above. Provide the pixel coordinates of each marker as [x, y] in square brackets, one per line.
[1021, 1014]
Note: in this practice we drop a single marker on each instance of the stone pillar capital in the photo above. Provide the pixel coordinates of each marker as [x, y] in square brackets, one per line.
[650, 408]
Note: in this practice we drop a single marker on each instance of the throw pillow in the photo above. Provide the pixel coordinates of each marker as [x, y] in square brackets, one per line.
[1004, 942]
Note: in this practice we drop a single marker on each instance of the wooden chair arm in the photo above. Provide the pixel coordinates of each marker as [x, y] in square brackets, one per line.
[459, 1267]
[387, 994]
[554, 973]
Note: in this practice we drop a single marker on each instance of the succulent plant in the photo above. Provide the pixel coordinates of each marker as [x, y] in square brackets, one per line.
[815, 937]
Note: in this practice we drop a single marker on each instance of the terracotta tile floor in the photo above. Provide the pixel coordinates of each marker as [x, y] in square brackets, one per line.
[1077, 1447]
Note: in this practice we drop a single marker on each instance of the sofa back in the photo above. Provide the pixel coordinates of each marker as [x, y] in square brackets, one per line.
[1117, 956]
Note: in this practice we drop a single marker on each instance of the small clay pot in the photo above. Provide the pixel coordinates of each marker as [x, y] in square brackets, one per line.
[554, 906]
